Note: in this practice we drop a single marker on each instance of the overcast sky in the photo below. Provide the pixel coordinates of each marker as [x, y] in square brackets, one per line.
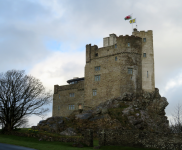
[47, 38]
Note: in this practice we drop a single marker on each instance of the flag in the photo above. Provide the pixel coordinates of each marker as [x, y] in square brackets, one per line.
[127, 17]
[133, 21]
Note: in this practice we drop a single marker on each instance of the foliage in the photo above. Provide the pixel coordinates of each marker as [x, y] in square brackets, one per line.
[33, 131]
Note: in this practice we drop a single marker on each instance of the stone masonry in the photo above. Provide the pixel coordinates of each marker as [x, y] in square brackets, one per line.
[126, 65]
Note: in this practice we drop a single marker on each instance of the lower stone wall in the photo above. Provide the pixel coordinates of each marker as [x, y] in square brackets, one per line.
[86, 139]
[137, 138]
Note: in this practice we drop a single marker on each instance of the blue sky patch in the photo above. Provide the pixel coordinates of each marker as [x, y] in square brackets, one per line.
[53, 45]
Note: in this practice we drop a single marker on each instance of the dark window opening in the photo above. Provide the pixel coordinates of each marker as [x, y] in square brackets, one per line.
[97, 68]
[97, 78]
[144, 54]
[144, 39]
[115, 58]
[147, 74]
[96, 54]
[71, 107]
[72, 94]
[115, 45]
[73, 82]
[130, 71]
[94, 92]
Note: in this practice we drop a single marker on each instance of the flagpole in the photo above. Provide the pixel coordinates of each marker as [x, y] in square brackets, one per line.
[132, 22]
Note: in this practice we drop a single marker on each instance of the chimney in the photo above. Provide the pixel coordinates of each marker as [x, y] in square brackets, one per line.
[135, 29]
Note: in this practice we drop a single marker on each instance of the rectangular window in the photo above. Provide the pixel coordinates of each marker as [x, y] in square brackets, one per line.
[96, 54]
[97, 78]
[115, 58]
[59, 96]
[144, 39]
[58, 107]
[144, 54]
[97, 68]
[128, 44]
[72, 94]
[115, 46]
[94, 92]
[71, 107]
[130, 71]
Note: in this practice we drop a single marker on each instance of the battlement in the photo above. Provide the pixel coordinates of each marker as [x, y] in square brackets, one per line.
[142, 32]
[128, 36]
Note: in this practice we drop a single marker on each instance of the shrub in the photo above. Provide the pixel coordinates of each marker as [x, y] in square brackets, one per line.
[33, 131]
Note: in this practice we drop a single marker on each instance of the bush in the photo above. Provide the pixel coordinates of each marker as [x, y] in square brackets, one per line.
[33, 131]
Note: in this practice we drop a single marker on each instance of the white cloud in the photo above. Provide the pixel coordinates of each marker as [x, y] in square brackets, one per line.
[173, 84]
[34, 120]
[59, 68]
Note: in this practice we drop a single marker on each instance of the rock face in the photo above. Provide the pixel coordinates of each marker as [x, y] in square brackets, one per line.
[144, 111]
[68, 131]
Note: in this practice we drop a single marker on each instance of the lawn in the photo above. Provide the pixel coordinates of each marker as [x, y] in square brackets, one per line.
[45, 145]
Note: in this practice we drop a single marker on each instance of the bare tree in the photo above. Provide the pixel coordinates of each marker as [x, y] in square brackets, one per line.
[20, 96]
[177, 127]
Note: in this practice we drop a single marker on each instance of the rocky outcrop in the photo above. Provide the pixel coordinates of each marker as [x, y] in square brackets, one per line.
[144, 111]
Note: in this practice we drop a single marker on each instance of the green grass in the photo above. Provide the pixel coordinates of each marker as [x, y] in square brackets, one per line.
[45, 145]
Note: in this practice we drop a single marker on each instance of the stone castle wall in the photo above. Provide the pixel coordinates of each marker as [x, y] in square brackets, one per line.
[61, 104]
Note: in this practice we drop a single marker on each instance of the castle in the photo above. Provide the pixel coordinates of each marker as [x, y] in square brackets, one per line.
[123, 64]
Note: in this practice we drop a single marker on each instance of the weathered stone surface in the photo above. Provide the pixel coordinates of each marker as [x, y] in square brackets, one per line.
[96, 118]
[83, 116]
[69, 132]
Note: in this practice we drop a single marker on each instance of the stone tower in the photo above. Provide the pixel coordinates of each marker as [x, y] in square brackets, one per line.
[120, 68]
[148, 74]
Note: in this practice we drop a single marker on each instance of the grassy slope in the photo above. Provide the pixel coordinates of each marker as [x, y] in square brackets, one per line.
[44, 145]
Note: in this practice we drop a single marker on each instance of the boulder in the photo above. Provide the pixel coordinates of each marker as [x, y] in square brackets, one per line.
[69, 132]
[104, 111]
[126, 111]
